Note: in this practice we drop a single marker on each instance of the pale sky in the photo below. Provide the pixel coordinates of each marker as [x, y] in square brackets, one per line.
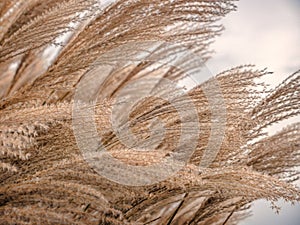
[265, 33]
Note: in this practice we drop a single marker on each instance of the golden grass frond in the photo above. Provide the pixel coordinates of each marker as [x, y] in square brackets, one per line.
[45, 178]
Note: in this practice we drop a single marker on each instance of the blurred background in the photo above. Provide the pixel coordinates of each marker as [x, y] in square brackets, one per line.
[265, 33]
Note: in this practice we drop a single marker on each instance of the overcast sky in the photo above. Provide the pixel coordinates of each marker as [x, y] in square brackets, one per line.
[265, 33]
